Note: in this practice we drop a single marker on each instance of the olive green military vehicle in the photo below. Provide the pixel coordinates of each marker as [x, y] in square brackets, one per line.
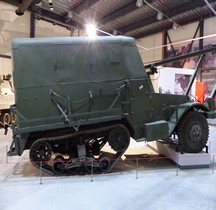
[74, 95]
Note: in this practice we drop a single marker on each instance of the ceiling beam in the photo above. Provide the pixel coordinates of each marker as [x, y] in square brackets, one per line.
[170, 25]
[121, 12]
[17, 3]
[76, 11]
[171, 13]
[84, 5]
[54, 18]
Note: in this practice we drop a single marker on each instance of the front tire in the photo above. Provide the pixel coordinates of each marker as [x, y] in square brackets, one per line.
[193, 132]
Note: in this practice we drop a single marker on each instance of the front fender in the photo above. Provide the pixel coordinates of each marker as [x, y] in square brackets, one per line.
[181, 110]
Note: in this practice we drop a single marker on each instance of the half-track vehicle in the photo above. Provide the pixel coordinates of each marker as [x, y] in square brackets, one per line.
[73, 95]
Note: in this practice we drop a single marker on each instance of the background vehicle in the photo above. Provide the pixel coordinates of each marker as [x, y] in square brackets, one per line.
[6, 99]
[73, 95]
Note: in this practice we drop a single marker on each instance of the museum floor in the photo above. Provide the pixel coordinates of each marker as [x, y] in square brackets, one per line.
[154, 185]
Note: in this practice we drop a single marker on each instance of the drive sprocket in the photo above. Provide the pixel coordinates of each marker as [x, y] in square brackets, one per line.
[119, 138]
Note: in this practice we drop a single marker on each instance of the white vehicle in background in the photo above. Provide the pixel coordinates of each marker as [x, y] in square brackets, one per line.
[6, 99]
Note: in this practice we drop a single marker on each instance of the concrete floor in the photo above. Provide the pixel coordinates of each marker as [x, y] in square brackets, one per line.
[156, 184]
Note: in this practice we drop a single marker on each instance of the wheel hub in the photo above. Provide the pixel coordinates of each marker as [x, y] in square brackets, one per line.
[195, 133]
[42, 153]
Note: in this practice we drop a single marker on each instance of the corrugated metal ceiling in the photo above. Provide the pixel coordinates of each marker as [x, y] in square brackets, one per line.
[121, 16]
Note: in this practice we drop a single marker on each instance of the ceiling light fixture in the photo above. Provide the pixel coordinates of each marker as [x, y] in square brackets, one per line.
[51, 5]
[115, 32]
[159, 16]
[91, 30]
[139, 3]
[175, 26]
[70, 15]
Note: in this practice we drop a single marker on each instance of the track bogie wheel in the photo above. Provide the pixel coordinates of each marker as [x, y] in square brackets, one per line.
[89, 166]
[58, 165]
[104, 164]
[193, 132]
[74, 170]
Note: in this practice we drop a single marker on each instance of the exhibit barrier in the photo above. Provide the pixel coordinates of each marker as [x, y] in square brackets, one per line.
[136, 162]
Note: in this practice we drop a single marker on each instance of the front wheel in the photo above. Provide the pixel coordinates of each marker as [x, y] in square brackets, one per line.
[193, 132]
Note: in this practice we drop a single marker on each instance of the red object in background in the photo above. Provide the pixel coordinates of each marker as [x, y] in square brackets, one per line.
[201, 88]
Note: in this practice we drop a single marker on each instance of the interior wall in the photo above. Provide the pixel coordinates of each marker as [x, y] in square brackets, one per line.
[183, 33]
[147, 47]
[210, 27]
[47, 29]
[11, 27]
[208, 74]
[186, 33]
[181, 40]
[5, 66]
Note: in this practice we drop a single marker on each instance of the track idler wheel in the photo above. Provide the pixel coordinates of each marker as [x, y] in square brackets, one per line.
[58, 166]
[90, 165]
[119, 138]
[104, 164]
[73, 166]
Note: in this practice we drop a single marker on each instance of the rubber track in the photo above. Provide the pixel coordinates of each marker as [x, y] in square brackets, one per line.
[48, 169]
